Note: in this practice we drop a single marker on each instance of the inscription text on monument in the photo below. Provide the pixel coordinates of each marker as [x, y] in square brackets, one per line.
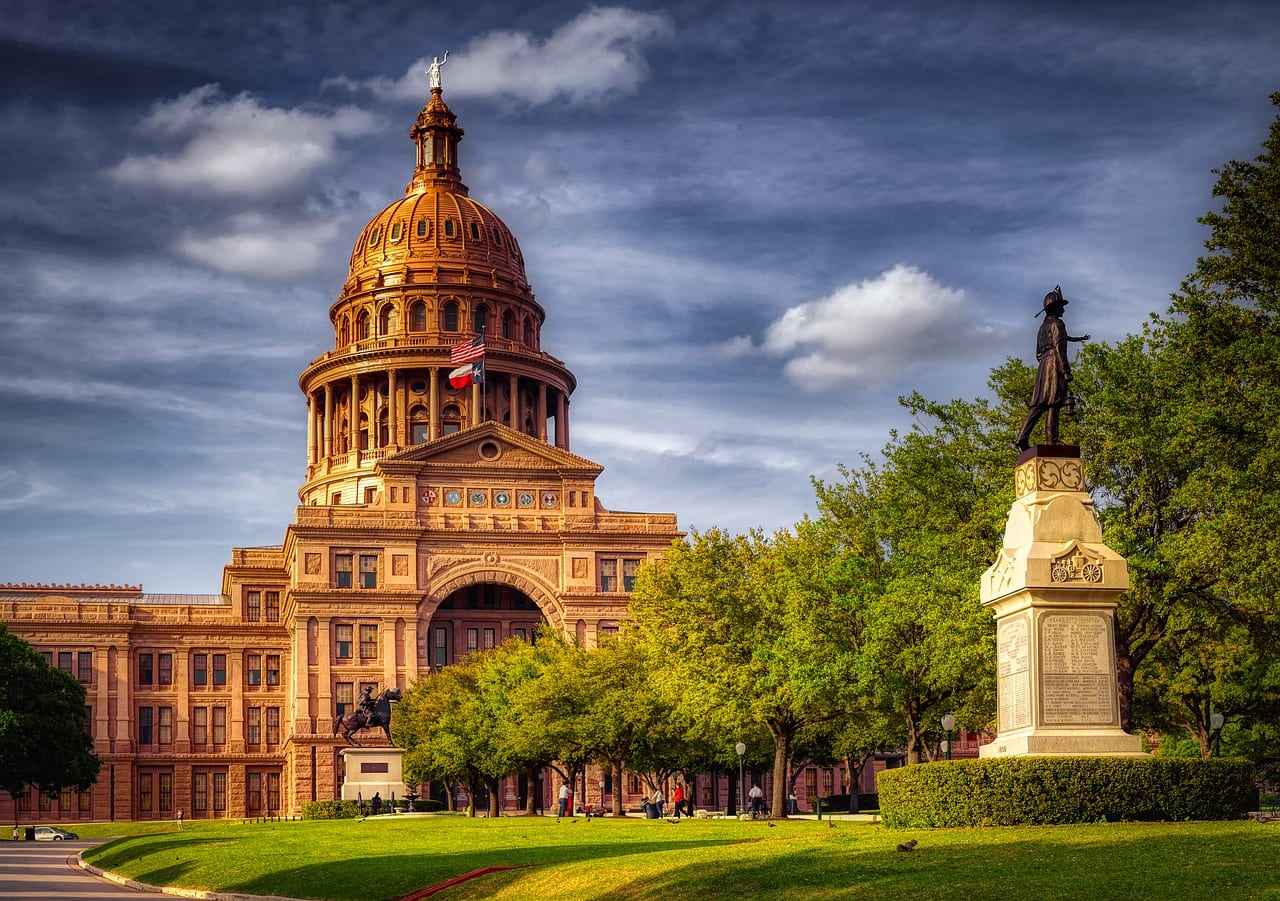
[1077, 675]
[1014, 685]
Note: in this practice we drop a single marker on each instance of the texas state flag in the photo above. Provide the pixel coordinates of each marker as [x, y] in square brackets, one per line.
[465, 375]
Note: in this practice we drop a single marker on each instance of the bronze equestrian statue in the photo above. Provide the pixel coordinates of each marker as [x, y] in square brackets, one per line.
[370, 713]
[1053, 374]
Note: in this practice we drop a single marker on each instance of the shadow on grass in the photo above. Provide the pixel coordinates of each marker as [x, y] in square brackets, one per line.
[1117, 861]
[166, 875]
[122, 851]
[389, 875]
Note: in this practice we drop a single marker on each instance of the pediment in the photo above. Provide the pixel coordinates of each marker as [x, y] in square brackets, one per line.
[490, 445]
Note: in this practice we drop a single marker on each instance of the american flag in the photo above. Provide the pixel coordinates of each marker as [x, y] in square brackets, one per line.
[466, 351]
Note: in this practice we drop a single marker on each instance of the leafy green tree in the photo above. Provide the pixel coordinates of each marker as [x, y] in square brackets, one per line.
[44, 734]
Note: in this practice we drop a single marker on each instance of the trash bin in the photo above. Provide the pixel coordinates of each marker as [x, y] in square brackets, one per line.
[650, 811]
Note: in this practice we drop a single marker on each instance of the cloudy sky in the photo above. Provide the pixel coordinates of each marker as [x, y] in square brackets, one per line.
[753, 226]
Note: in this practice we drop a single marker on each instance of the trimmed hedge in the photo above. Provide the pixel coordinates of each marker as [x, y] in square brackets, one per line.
[1017, 791]
[330, 810]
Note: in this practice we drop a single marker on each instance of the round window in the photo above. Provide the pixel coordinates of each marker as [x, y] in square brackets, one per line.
[418, 387]
[489, 450]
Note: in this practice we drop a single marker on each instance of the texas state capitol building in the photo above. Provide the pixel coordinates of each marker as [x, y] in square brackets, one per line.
[432, 522]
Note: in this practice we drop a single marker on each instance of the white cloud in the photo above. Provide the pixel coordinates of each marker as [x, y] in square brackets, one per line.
[260, 246]
[236, 145]
[597, 53]
[865, 330]
[734, 348]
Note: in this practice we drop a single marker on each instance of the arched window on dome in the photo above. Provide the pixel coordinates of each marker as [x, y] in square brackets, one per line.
[344, 331]
[448, 228]
[450, 419]
[395, 232]
[419, 425]
[388, 320]
[475, 232]
[480, 319]
[384, 432]
[528, 332]
[364, 432]
[362, 325]
[449, 317]
[508, 325]
[418, 316]
[422, 228]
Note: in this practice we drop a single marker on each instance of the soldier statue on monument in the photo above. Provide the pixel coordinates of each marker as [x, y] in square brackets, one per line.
[1053, 375]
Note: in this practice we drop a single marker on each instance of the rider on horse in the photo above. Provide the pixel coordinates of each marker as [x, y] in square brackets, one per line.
[367, 704]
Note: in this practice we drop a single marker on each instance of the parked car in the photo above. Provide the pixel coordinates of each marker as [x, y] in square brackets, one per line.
[52, 834]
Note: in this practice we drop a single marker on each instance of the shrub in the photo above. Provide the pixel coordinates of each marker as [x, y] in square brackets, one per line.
[1014, 791]
[426, 805]
[330, 810]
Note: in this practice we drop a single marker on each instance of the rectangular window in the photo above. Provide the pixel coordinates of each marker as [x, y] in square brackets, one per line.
[342, 640]
[371, 495]
[342, 571]
[520, 633]
[273, 726]
[84, 666]
[473, 640]
[608, 574]
[144, 791]
[219, 792]
[368, 641]
[65, 662]
[811, 784]
[343, 698]
[629, 568]
[608, 628]
[48, 658]
[418, 433]
[86, 801]
[273, 669]
[252, 606]
[166, 792]
[165, 669]
[144, 725]
[45, 801]
[166, 725]
[200, 670]
[273, 606]
[253, 671]
[219, 725]
[144, 669]
[200, 792]
[828, 779]
[490, 638]
[219, 669]
[273, 791]
[440, 646]
[64, 801]
[253, 725]
[200, 726]
[368, 571]
[253, 792]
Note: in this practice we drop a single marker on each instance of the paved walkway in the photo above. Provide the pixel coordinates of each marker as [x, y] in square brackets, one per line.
[48, 870]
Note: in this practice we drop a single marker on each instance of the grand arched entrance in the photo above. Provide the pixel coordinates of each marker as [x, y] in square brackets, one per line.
[477, 617]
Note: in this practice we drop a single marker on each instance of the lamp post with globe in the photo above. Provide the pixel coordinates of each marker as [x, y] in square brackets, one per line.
[741, 749]
[948, 723]
[1216, 722]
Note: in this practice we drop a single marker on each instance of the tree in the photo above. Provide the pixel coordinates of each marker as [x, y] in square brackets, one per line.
[44, 730]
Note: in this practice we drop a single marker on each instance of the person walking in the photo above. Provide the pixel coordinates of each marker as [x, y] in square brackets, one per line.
[677, 800]
[563, 803]
[756, 797]
[659, 801]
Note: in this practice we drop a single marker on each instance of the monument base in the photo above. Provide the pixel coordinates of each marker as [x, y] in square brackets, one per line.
[370, 771]
[1073, 742]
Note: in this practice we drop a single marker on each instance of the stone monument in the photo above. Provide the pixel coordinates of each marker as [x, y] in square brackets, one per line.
[1053, 590]
[370, 770]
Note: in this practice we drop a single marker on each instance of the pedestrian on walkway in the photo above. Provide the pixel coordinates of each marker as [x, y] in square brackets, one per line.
[564, 801]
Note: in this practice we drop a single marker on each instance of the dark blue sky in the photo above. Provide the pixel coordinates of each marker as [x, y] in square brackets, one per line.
[750, 224]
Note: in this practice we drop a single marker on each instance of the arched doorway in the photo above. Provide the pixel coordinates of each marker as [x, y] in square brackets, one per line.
[478, 617]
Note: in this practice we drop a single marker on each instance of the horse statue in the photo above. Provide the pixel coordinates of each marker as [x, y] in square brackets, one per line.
[370, 713]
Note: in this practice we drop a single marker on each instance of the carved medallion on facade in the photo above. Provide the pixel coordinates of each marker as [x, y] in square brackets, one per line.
[1048, 475]
[311, 564]
[579, 567]
[400, 564]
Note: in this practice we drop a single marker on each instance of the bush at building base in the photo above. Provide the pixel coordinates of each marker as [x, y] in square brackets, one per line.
[330, 810]
[1018, 791]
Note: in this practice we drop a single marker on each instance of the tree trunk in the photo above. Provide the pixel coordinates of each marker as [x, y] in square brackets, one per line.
[1124, 684]
[913, 736]
[531, 792]
[471, 796]
[852, 783]
[619, 810]
[781, 756]
[449, 803]
[495, 788]
[731, 800]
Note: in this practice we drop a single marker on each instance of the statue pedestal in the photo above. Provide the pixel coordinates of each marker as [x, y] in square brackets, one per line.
[1053, 591]
[370, 770]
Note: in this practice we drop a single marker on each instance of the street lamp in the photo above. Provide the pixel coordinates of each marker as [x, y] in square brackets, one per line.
[1216, 722]
[948, 723]
[741, 748]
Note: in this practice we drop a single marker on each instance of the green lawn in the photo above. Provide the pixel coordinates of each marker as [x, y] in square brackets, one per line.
[635, 858]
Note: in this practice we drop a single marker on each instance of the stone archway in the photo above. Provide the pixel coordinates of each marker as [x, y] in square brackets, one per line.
[536, 588]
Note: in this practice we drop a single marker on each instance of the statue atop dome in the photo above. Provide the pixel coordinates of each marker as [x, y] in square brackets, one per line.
[433, 71]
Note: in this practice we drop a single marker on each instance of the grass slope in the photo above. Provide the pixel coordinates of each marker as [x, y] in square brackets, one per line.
[386, 858]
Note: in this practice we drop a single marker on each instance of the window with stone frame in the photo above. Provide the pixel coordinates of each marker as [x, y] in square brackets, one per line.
[449, 317]
[368, 641]
[490, 638]
[164, 669]
[146, 674]
[342, 640]
[368, 570]
[252, 606]
[343, 698]
[608, 574]
[219, 792]
[200, 670]
[440, 646]
[219, 715]
[417, 316]
[166, 792]
[219, 669]
[273, 726]
[144, 792]
[473, 640]
[273, 791]
[145, 734]
[253, 792]
[200, 726]
[200, 792]
[342, 570]
[86, 801]
[273, 606]
[66, 662]
[273, 670]
[611, 567]
[84, 666]
[253, 670]
[253, 726]
[164, 717]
